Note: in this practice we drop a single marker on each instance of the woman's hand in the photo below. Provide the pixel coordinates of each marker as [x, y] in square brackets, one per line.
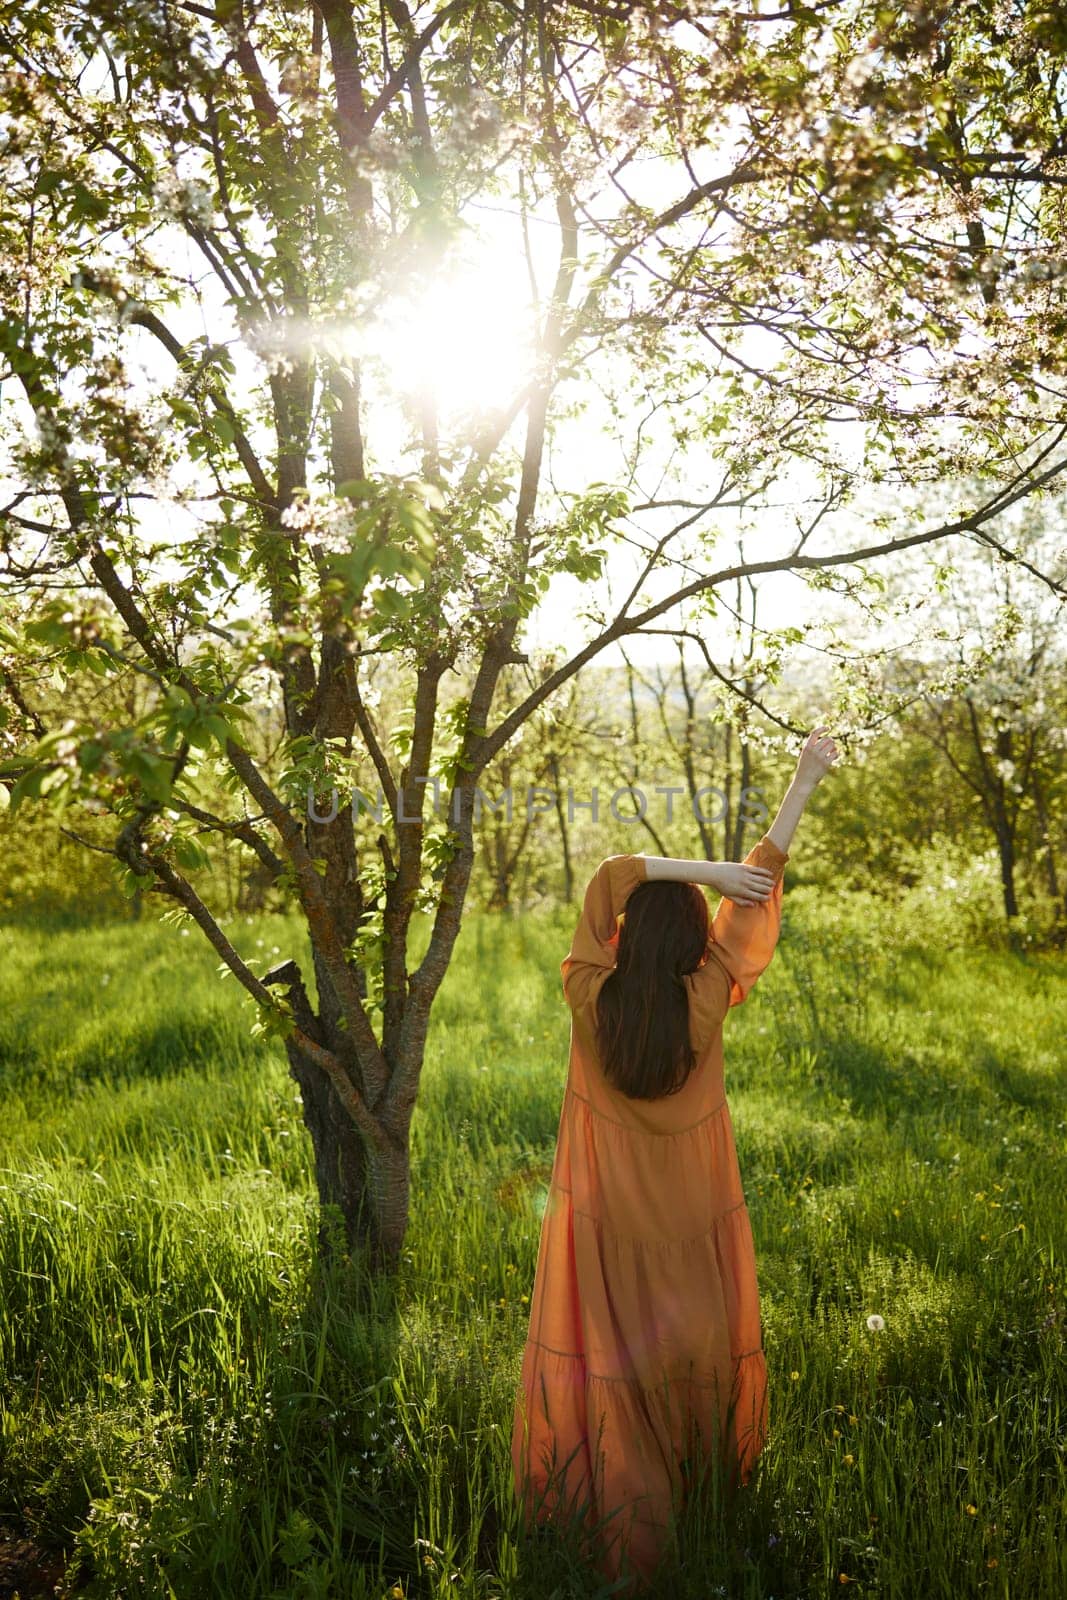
[745, 886]
[816, 759]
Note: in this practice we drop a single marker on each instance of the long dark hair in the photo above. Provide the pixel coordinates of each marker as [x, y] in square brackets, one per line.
[642, 1028]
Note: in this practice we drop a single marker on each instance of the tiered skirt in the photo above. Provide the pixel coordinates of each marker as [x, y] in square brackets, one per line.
[644, 1357]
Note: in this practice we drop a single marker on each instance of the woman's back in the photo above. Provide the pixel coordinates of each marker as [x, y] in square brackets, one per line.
[644, 1321]
[741, 944]
[645, 1353]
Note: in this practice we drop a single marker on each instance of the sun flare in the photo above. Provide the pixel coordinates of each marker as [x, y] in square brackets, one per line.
[465, 344]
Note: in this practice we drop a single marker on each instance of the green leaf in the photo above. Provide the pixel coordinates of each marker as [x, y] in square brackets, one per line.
[189, 853]
[223, 428]
[356, 489]
[152, 772]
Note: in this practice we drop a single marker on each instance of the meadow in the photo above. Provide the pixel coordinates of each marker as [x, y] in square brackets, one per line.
[192, 1406]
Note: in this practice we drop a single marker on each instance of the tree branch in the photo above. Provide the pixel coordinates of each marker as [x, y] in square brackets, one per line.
[348, 1093]
[624, 625]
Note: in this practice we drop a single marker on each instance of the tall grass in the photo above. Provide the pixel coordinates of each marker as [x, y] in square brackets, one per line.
[192, 1406]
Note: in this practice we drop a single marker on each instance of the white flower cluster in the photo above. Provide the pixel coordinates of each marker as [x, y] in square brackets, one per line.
[475, 125]
[150, 12]
[861, 68]
[329, 522]
[187, 199]
[1041, 269]
[270, 341]
[299, 75]
[376, 153]
[52, 438]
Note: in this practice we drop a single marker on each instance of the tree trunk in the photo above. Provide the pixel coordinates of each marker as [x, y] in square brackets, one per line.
[500, 869]
[564, 837]
[369, 1187]
[737, 851]
[1006, 851]
[1059, 933]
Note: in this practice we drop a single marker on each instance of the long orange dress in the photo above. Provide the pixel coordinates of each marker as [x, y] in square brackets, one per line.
[645, 1345]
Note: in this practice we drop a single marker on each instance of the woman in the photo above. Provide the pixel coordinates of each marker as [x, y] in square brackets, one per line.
[644, 1350]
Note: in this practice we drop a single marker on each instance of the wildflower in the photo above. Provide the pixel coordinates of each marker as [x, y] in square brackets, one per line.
[972, 1511]
[853, 1419]
[992, 1562]
[843, 1577]
[875, 1322]
[849, 1460]
[837, 1433]
[794, 1376]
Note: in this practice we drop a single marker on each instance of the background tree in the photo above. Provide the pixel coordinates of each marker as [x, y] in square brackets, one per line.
[531, 835]
[234, 475]
[1001, 735]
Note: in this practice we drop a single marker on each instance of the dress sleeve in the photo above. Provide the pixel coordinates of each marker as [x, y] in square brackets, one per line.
[743, 938]
[596, 937]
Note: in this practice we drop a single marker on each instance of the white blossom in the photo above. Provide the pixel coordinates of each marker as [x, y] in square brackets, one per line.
[860, 68]
[270, 341]
[329, 522]
[187, 199]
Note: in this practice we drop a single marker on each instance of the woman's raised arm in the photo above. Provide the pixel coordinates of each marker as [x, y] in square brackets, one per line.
[744, 933]
[815, 760]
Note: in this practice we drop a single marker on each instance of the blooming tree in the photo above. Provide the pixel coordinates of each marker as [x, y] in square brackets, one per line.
[818, 247]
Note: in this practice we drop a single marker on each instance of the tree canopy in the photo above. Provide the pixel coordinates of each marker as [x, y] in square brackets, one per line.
[807, 256]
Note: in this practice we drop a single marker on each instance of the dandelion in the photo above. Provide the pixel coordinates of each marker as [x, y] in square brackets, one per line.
[875, 1322]
[972, 1511]
[849, 1460]
[795, 1376]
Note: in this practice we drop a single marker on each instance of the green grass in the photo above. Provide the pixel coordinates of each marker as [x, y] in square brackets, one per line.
[191, 1407]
